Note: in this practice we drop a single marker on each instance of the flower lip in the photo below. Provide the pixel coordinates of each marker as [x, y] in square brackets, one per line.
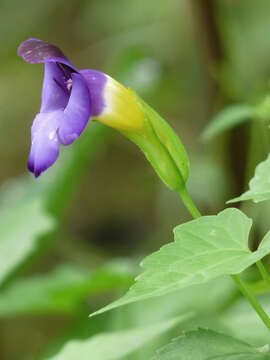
[65, 106]
[45, 144]
[36, 51]
[69, 98]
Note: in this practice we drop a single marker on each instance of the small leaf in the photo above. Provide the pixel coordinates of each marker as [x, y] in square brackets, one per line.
[21, 225]
[115, 345]
[259, 185]
[228, 118]
[207, 344]
[61, 290]
[204, 249]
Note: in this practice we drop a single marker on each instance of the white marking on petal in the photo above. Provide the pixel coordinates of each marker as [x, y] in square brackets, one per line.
[51, 135]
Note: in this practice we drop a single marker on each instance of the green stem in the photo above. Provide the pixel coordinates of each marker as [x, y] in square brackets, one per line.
[189, 204]
[256, 306]
[191, 207]
[264, 273]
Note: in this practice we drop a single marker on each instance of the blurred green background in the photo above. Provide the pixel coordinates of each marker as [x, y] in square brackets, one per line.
[71, 241]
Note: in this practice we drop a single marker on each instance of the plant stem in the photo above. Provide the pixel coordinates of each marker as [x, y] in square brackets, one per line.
[256, 306]
[264, 273]
[191, 207]
[189, 204]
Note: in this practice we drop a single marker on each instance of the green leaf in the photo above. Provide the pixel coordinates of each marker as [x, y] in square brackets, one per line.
[115, 345]
[259, 185]
[21, 225]
[204, 249]
[228, 118]
[243, 356]
[208, 345]
[62, 290]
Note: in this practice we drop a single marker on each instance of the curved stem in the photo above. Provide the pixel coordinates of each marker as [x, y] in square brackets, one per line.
[256, 306]
[264, 273]
[188, 202]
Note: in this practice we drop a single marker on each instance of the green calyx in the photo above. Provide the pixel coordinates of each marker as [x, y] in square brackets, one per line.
[162, 147]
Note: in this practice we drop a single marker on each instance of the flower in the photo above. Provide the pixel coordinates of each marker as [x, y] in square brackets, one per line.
[69, 98]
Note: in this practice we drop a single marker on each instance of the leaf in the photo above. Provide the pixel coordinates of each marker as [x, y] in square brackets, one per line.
[226, 119]
[21, 225]
[61, 290]
[208, 345]
[25, 202]
[204, 249]
[243, 356]
[114, 345]
[259, 185]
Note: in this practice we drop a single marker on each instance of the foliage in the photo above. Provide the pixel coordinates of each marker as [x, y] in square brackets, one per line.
[205, 345]
[227, 119]
[204, 249]
[62, 290]
[112, 346]
[71, 241]
[259, 186]
[21, 228]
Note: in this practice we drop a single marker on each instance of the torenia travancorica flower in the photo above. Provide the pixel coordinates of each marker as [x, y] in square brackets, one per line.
[71, 96]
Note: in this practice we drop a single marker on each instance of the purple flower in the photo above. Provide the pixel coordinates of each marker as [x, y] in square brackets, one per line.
[69, 98]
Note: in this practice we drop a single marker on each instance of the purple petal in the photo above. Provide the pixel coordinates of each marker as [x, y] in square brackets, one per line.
[45, 143]
[37, 51]
[96, 82]
[77, 111]
[54, 93]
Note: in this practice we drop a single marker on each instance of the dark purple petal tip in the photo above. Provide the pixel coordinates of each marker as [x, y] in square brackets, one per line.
[30, 165]
[38, 166]
[36, 51]
[45, 145]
